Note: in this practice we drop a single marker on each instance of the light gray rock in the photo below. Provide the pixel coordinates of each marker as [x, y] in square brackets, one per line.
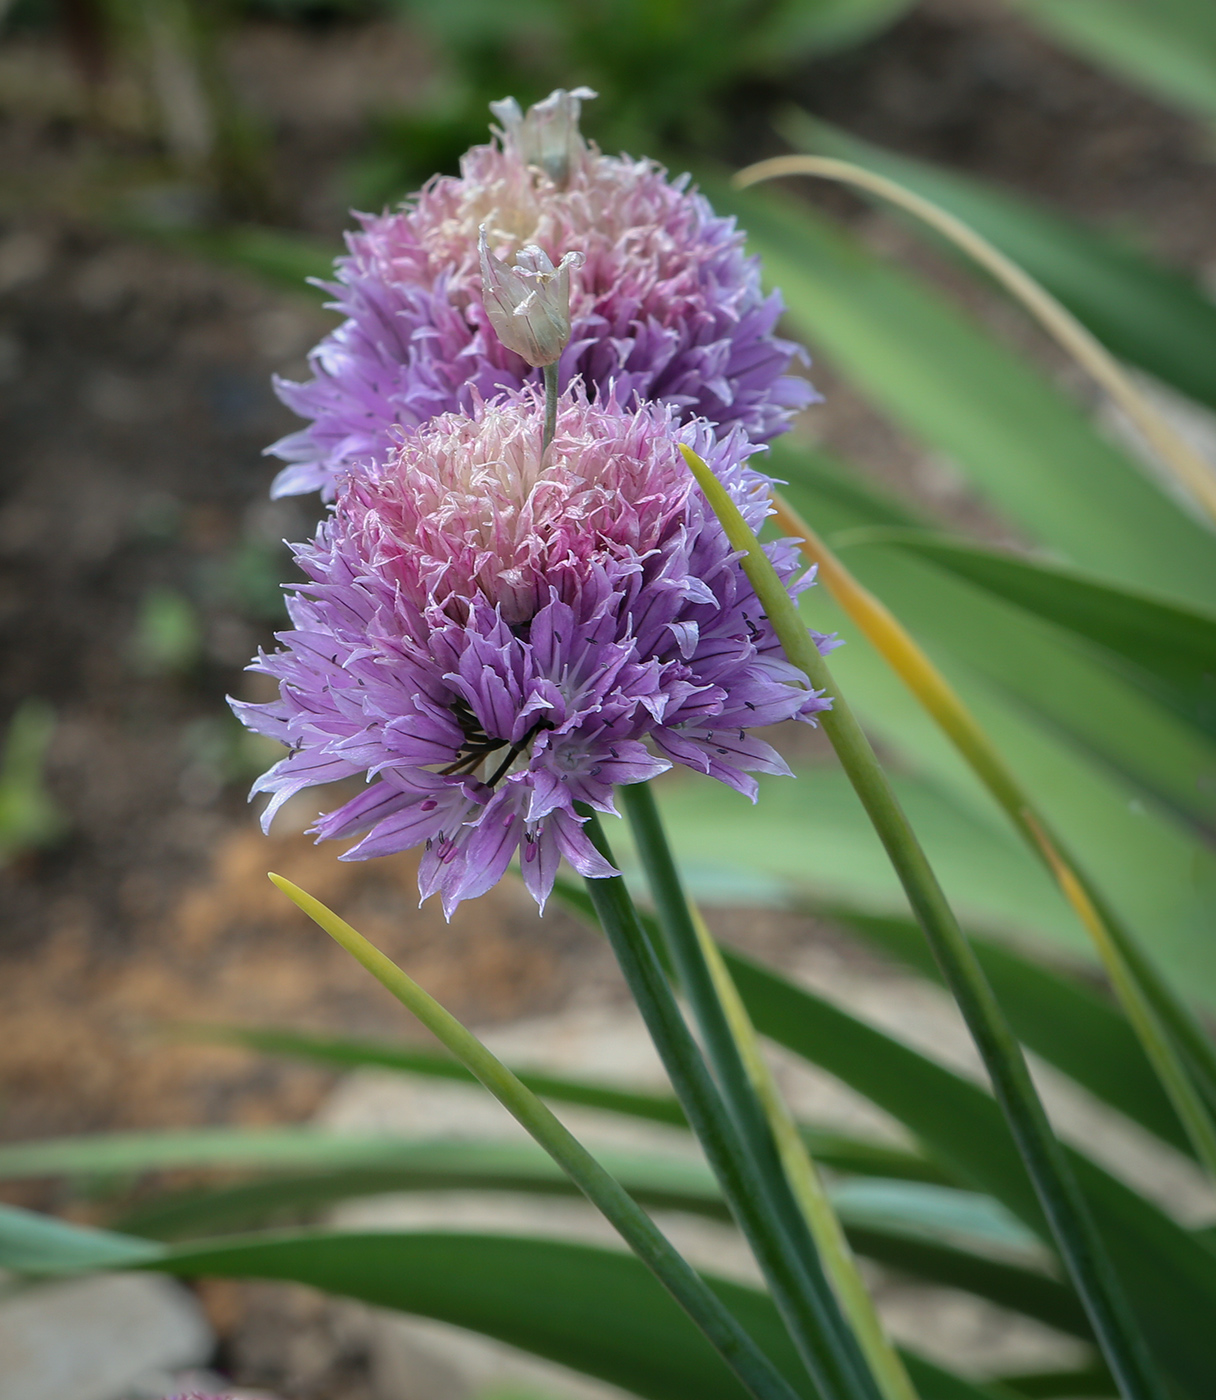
[98, 1338]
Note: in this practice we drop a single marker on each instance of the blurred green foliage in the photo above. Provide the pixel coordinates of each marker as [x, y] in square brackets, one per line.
[168, 638]
[30, 818]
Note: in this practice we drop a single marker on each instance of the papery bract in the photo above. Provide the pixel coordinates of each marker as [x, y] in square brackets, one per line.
[528, 303]
[666, 306]
[547, 135]
[494, 639]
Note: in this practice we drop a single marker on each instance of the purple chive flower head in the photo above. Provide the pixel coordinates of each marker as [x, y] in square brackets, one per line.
[665, 306]
[491, 638]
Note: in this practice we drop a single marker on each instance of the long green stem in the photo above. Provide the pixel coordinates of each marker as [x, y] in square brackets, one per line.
[1063, 1204]
[751, 1093]
[550, 376]
[753, 1369]
[798, 1286]
[1155, 1013]
[1158, 1017]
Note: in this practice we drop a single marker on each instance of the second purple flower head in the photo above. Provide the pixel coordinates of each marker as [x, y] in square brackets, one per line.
[491, 637]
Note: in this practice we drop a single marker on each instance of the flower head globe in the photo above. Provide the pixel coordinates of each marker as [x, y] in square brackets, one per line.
[663, 303]
[493, 635]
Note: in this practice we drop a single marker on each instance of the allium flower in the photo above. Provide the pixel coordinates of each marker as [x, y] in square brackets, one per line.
[666, 305]
[493, 640]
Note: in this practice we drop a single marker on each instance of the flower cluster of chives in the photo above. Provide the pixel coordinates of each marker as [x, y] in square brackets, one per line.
[497, 628]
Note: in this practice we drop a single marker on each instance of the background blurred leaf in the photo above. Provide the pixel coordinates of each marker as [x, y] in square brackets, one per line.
[1166, 47]
[812, 834]
[1058, 1017]
[1162, 646]
[31, 1243]
[1023, 446]
[29, 816]
[1149, 314]
[1053, 678]
[1132, 810]
[596, 1310]
[168, 637]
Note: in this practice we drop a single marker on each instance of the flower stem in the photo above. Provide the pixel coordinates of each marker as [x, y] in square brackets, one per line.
[1063, 1204]
[752, 1368]
[797, 1283]
[550, 375]
[1160, 1020]
[751, 1093]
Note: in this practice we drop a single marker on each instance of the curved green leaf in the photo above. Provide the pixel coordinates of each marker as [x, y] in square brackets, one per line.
[1167, 47]
[1166, 647]
[595, 1310]
[1057, 1016]
[1145, 312]
[1170, 1277]
[1022, 444]
[417, 1164]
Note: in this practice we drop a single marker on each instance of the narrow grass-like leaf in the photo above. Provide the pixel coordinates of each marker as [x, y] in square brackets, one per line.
[1057, 1016]
[1145, 312]
[957, 390]
[750, 1365]
[1166, 47]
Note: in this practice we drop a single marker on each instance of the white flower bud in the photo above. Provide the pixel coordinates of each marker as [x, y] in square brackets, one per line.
[528, 303]
[548, 136]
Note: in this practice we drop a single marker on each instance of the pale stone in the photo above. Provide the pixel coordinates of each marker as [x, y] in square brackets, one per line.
[97, 1338]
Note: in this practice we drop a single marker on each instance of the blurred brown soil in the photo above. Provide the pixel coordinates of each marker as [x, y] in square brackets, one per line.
[88, 1040]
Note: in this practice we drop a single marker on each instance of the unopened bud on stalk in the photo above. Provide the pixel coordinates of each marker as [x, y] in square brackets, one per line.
[528, 303]
[548, 136]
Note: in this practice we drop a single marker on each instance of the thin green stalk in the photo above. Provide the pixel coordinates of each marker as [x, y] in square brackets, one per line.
[753, 1369]
[550, 374]
[1157, 1016]
[1077, 1238]
[799, 1289]
[751, 1093]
